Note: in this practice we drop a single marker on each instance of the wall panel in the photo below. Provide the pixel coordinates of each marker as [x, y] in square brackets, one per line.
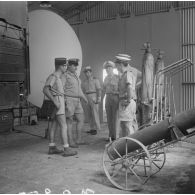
[166, 37]
[101, 41]
[13, 66]
[188, 49]
[14, 12]
[137, 32]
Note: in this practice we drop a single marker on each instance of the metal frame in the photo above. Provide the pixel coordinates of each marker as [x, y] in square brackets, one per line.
[122, 172]
[161, 107]
[135, 166]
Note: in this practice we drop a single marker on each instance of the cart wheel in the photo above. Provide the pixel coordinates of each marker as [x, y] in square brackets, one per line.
[130, 171]
[158, 156]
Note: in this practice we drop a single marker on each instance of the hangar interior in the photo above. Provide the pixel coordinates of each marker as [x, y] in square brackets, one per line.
[94, 32]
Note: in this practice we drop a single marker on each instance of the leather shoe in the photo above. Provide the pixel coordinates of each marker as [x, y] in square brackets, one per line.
[69, 152]
[73, 145]
[54, 150]
[93, 132]
[89, 131]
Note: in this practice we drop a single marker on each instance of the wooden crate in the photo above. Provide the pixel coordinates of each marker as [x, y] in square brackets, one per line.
[6, 121]
[25, 120]
[17, 121]
[32, 111]
[16, 112]
[25, 112]
[33, 119]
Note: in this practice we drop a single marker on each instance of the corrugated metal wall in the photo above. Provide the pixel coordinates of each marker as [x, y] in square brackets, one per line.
[98, 11]
[188, 51]
[105, 10]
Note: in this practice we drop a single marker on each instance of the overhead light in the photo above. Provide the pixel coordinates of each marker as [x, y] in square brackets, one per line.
[45, 4]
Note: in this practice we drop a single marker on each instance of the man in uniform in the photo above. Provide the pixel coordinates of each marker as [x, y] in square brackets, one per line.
[92, 89]
[54, 83]
[110, 88]
[73, 91]
[127, 95]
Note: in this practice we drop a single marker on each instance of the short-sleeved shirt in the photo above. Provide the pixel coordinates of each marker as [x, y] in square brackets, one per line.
[72, 87]
[127, 78]
[91, 85]
[72, 83]
[110, 85]
[55, 82]
[134, 71]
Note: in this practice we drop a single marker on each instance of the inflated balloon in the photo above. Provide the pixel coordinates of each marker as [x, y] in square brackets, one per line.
[50, 36]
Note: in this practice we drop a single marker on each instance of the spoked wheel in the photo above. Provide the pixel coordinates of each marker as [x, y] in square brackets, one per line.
[127, 169]
[158, 156]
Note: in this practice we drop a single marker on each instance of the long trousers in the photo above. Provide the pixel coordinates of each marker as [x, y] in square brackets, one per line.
[93, 112]
[111, 106]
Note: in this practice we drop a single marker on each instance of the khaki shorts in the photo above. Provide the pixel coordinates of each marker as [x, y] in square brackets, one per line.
[61, 110]
[127, 113]
[73, 106]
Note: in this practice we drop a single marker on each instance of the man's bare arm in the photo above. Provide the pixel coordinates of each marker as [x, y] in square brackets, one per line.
[48, 94]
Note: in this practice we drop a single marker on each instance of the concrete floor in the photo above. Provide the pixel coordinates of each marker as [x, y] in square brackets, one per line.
[25, 166]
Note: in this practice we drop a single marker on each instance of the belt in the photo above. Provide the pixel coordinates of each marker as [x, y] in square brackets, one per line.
[111, 93]
[90, 92]
[125, 98]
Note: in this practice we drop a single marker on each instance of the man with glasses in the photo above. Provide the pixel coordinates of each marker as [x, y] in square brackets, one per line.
[92, 89]
[53, 89]
[73, 107]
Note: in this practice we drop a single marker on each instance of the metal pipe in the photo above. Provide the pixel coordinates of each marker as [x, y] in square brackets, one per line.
[184, 95]
[193, 96]
[172, 69]
[165, 106]
[175, 65]
[188, 41]
[153, 134]
[169, 95]
[172, 66]
[185, 66]
[174, 106]
[154, 102]
[188, 104]
[157, 102]
[184, 53]
[160, 91]
[179, 70]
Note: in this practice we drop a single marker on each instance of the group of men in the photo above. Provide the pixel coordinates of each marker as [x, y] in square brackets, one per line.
[64, 89]
[121, 96]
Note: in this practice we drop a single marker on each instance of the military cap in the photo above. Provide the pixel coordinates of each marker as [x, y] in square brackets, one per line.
[60, 61]
[123, 58]
[73, 61]
[87, 68]
[108, 64]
